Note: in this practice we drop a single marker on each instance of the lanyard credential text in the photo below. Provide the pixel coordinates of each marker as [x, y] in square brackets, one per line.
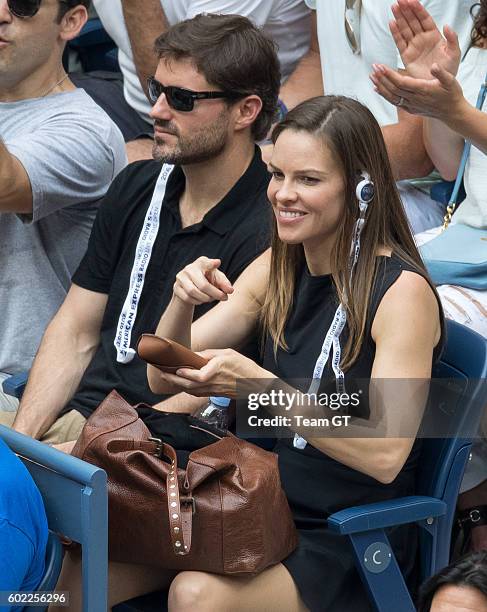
[143, 253]
[332, 337]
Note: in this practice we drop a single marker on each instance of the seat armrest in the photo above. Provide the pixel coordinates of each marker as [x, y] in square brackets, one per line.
[15, 385]
[386, 514]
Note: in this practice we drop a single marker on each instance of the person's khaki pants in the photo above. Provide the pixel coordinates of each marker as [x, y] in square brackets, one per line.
[66, 429]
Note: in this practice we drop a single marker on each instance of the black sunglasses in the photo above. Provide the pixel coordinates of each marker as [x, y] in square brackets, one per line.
[181, 99]
[25, 8]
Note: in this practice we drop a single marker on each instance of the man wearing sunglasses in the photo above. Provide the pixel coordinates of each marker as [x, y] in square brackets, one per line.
[349, 36]
[58, 154]
[214, 94]
[135, 24]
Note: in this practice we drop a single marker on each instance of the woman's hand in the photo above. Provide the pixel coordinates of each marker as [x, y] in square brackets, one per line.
[440, 97]
[419, 41]
[201, 282]
[219, 376]
[428, 86]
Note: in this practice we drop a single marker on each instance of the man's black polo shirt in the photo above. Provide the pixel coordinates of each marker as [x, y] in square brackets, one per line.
[236, 231]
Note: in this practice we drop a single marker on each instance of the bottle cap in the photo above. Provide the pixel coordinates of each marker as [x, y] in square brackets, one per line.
[223, 402]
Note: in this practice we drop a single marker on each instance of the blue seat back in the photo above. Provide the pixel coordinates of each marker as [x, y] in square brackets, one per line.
[76, 503]
[463, 366]
[96, 50]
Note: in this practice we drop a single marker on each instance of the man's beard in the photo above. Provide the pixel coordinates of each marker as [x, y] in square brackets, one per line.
[203, 144]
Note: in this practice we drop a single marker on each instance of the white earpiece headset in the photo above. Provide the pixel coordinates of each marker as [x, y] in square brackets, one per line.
[365, 188]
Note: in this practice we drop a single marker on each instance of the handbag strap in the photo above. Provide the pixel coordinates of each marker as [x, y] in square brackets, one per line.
[180, 507]
[450, 209]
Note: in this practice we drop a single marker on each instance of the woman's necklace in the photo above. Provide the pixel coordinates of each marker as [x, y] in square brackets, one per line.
[54, 86]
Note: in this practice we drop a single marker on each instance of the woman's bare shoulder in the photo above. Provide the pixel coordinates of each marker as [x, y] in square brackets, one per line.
[254, 280]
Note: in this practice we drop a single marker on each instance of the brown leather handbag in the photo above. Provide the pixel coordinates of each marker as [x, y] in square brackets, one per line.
[224, 513]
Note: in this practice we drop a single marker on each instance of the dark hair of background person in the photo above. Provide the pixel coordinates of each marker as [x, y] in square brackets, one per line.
[479, 31]
[233, 55]
[469, 571]
[67, 5]
[355, 140]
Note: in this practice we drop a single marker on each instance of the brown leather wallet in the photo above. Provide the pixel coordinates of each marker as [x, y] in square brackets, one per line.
[167, 355]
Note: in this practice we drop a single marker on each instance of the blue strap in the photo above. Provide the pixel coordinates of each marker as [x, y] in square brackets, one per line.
[466, 148]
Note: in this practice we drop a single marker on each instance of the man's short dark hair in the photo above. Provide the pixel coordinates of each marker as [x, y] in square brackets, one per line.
[469, 571]
[67, 5]
[233, 55]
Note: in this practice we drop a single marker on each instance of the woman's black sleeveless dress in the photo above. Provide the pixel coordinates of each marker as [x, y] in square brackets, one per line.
[316, 485]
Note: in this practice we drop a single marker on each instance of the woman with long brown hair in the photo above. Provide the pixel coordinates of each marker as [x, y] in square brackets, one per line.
[336, 299]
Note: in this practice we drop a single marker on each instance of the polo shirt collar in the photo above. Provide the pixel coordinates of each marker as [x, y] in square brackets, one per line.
[225, 215]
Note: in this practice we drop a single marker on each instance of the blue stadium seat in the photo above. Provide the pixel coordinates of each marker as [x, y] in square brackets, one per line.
[95, 48]
[442, 462]
[15, 384]
[75, 498]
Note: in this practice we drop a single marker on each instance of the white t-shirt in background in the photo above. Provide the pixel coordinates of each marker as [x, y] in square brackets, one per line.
[473, 210]
[347, 74]
[286, 21]
[71, 151]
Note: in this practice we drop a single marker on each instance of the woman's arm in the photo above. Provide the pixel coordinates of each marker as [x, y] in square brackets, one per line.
[444, 146]
[462, 122]
[228, 324]
[399, 386]
[399, 380]
[449, 118]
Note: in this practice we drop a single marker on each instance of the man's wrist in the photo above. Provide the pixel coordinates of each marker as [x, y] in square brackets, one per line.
[31, 432]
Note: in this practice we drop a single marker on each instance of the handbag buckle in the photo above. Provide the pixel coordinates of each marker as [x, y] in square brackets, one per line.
[159, 446]
[188, 500]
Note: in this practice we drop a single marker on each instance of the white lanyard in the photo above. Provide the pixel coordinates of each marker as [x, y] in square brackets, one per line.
[143, 253]
[333, 334]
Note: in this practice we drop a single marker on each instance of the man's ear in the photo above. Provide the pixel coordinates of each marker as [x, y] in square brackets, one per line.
[72, 22]
[247, 111]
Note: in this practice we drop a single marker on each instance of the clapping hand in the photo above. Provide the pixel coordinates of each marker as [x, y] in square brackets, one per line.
[428, 85]
[419, 41]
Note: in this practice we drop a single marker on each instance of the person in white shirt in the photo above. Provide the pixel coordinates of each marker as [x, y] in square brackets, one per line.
[135, 24]
[59, 152]
[444, 90]
[349, 37]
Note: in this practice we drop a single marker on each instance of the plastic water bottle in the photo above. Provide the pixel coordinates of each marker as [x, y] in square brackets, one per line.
[215, 412]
